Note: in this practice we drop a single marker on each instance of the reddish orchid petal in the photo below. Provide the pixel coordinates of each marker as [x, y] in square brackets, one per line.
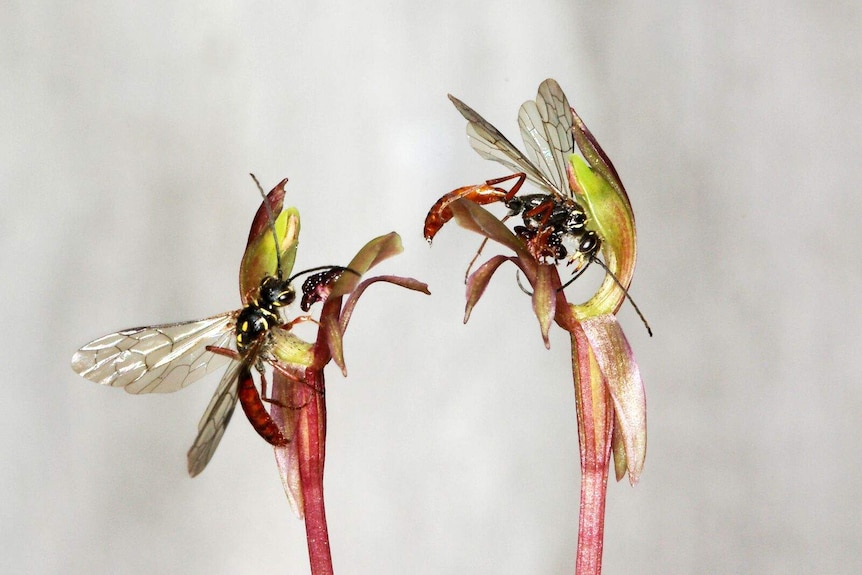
[330, 326]
[334, 325]
[471, 216]
[372, 253]
[287, 392]
[260, 223]
[545, 298]
[350, 304]
[294, 355]
[478, 281]
[618, 448]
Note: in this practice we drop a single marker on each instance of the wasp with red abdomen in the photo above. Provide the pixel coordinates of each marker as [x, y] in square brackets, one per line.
[554, 225]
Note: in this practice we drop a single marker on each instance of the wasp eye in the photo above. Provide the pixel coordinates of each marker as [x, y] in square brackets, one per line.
[515, 206]
[589, 243]
[286, 297]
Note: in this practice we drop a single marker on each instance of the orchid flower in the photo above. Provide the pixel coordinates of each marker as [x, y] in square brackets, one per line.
[582, 200]
[168, 357]
[299, 401]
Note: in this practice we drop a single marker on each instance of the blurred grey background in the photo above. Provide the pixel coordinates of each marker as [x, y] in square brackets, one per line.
[128, 134]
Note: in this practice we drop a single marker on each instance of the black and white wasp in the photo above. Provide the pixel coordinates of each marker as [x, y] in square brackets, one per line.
[555, 227]
[554, 223]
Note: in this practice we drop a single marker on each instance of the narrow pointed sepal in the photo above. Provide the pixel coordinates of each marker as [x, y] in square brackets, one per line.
[545, 298]
[478, 281]
[618, 449]
[371, 254]
[475, 218]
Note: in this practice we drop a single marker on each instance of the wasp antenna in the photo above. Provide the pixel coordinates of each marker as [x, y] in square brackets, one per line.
[319, 268]
[520, 285]
[576, 276]
[279, 272]
[625, 291]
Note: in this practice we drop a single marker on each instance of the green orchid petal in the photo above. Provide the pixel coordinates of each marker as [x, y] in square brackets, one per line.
[259, 259]
[353, 298]
[616, 361]
[600, 191]
[291, 350]
[610, 216]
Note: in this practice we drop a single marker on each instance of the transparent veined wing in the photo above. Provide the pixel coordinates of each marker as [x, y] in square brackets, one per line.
[159, 358]
[215, 419]
[492, 145]
[546, 126]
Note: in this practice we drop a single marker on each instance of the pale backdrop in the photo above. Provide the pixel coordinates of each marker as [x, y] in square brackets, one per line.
[128, 133]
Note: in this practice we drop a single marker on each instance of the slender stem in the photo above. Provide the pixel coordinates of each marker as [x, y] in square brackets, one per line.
[595, 427]
[311, 437]
[312, 449]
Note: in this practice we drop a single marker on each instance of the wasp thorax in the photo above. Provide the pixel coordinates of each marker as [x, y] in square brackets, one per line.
[261, 314]
[575, 220]
[253, 321]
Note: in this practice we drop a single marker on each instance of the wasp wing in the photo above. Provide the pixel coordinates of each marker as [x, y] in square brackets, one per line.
[546, 126]
[492, 145]
[215, 419]
[156, 359]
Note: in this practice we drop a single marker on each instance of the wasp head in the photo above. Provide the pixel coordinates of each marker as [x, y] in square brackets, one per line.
[589, 244]
[275, 293]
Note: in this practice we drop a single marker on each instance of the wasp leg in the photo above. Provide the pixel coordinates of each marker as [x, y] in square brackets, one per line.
[521, 176]
[293, 377]
[543, 210]
[224, 351]
[478, 253]
[273, 401]
[299, 319]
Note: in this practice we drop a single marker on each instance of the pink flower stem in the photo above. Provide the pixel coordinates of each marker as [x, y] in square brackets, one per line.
[311, 436]
[312, 449]
[595, 427]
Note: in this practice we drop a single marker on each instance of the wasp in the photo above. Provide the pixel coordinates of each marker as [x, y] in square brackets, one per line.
[166, 358]
[554, 225]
